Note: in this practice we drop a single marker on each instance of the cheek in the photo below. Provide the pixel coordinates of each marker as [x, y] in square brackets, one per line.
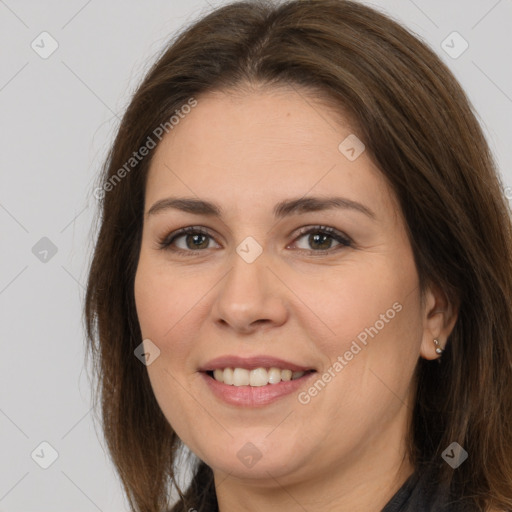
[375, 328]
[161, 309]
[357, 300]
[372, 360]
[153, 301]
[159, 297]
[172, 309]
[161, 304]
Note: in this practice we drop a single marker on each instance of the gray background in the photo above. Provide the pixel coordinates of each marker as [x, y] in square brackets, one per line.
[58, 117]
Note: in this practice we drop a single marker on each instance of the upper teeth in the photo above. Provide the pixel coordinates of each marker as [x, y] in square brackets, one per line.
[256, 377]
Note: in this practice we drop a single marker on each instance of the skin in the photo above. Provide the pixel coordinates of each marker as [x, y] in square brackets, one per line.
[345, 449]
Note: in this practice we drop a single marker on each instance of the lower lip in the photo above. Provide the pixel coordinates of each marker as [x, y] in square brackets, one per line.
[254, 396]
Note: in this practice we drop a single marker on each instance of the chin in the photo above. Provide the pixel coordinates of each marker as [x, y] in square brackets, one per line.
[256, 462]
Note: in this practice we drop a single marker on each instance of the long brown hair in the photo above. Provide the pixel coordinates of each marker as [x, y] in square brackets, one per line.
[420, 130]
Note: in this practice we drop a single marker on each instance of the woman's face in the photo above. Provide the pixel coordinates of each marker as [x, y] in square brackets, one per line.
[253, 285]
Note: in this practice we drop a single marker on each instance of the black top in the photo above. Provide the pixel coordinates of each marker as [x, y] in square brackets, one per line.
[418, 494]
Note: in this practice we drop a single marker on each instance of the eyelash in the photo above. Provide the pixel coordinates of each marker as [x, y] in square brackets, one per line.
[344, 241]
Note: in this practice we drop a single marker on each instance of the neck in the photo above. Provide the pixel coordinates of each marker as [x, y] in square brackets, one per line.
[366, 484]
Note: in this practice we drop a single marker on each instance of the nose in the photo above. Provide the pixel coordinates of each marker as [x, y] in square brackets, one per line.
[250, 297]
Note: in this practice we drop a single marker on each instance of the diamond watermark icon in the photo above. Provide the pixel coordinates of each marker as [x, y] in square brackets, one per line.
[147, 352]
[249, 455]
[44, 45]
[44, 455]
[454, 45]
[44, 250]
[454, 455]
[249, 249]
[351, 147]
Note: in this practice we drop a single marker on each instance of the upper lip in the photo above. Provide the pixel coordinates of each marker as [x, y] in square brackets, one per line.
[251, 363]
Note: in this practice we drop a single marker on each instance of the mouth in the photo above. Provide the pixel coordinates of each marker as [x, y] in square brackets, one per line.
[255, 377]
[256, 387]
[254, 381]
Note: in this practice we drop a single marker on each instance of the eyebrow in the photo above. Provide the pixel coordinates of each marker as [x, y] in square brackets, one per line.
[281, 209]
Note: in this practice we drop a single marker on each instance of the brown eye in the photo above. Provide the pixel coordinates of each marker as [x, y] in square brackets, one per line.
[320, 238]
[194, 239]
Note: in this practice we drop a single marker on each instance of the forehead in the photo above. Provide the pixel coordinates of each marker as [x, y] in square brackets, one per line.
[260, 145]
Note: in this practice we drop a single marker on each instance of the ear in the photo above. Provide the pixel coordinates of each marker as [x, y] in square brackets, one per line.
[439, 317]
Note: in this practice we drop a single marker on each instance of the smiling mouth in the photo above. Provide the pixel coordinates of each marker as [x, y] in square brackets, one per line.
[256, 377]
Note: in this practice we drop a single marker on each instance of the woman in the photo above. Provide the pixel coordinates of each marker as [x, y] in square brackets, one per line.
[303, 274]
